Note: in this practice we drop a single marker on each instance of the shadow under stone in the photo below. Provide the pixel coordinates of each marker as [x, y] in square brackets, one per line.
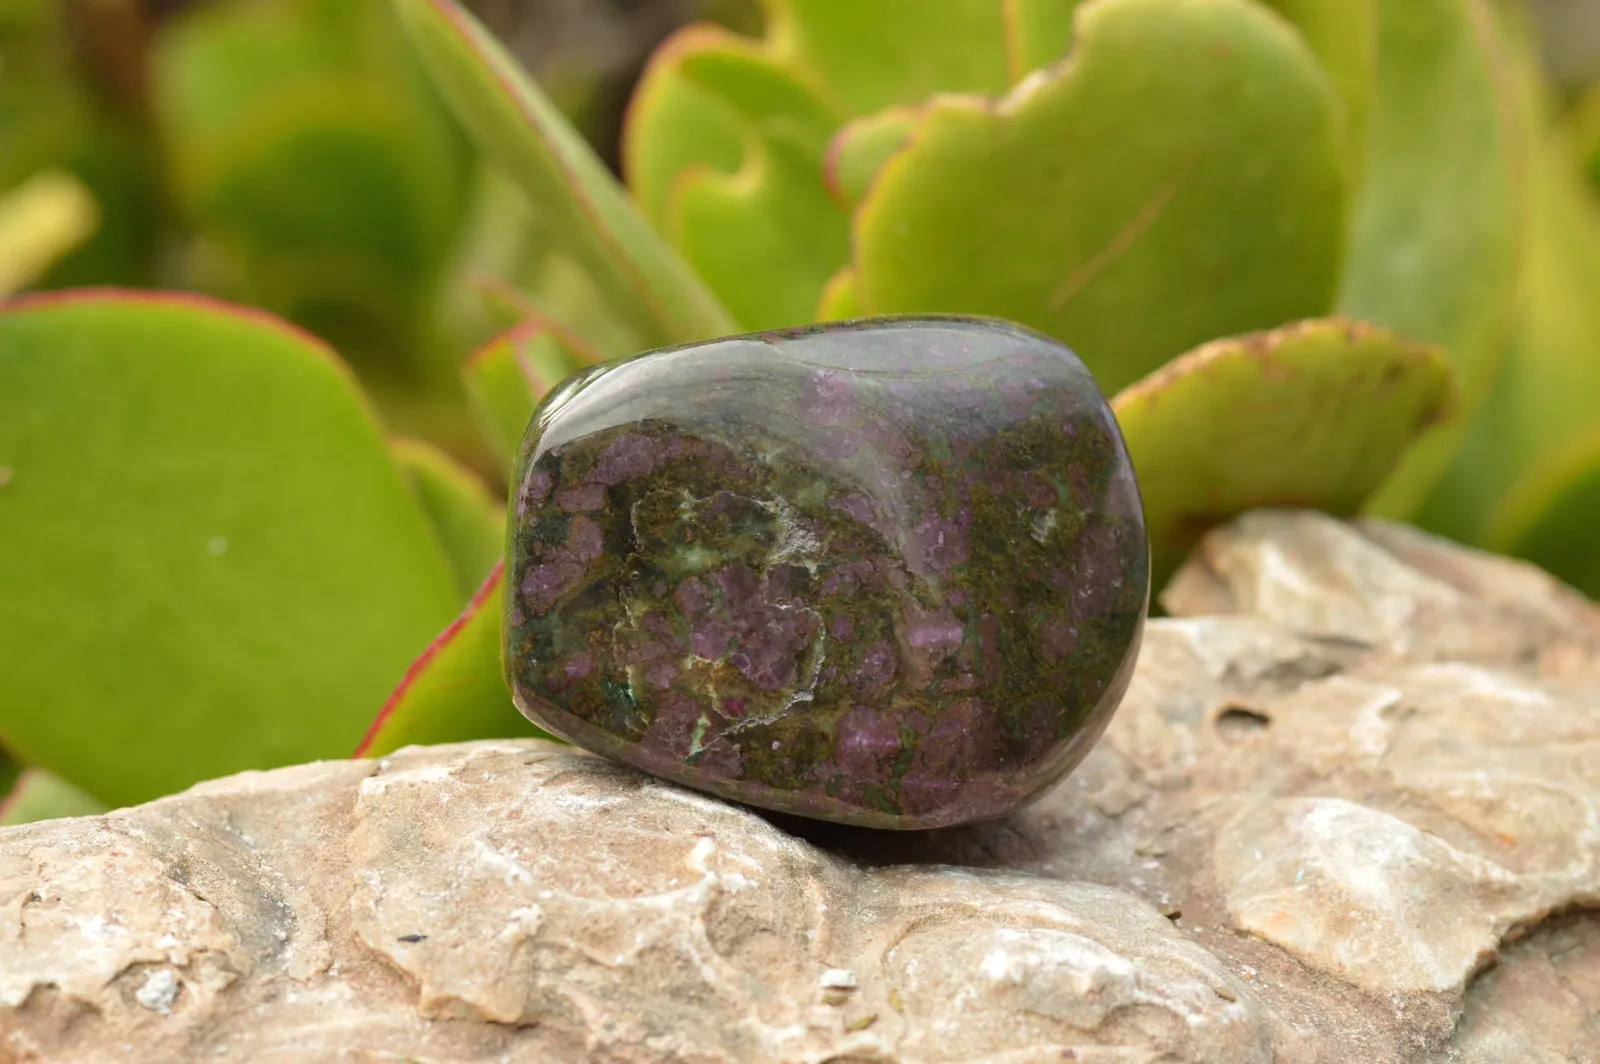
[992, 844]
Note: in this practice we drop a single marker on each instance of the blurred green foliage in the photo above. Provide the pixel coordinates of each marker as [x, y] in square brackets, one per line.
[315, 165]
[1329, 253]
[56, 118]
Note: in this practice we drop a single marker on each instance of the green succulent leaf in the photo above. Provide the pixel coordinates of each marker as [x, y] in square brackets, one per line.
[1549, 517]
[1585, 132]
[1038, 33]
[727, 144]
[648, 285]
[1528, 449]
[875, 55]
[469, 521]
[549, 286]
[776, 104]
[508, 376]
[224, 567]
[1343, 34]
[1310, 415]
[9, 772]
[838, 302]
[753, 217]
[1181, 177]
[675, 125]
[1435, 245]
[38, 795]
[456, 690]
[767, 237]
[858, 151]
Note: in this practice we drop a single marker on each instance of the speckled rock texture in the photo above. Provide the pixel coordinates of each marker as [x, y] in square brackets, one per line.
[890, 572]
[1349, 812]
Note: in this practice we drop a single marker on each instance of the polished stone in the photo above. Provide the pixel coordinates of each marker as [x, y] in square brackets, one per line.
[891, 573]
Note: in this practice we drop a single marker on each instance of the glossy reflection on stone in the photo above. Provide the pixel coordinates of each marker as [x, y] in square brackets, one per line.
[890, 573]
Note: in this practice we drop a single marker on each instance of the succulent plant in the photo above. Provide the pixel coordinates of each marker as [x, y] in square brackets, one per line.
[1321, 253]
[792, 195]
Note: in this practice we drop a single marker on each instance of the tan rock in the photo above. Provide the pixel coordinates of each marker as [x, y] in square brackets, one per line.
[1349, 811]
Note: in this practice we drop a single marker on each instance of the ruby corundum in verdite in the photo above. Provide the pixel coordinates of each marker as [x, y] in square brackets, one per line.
[891, 572]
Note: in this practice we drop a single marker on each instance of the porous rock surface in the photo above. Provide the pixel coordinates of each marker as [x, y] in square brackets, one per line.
[1349, 811]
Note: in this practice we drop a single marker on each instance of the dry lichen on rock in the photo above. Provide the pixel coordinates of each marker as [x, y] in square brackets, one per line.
[1347, 812]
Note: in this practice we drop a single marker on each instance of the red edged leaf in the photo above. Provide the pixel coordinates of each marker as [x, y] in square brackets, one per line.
[508, 376]
[590, 215]
[224, 569]
[455, 691]
[38, 795]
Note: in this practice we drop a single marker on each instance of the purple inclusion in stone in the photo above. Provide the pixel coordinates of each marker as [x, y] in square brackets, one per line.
[891, 572]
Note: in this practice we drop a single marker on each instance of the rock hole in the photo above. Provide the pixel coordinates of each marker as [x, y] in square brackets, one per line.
[1236, 723]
